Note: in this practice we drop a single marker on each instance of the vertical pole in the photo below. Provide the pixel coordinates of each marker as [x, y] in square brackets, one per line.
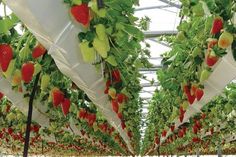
[219, 152]
[100, 4]
[198, 153]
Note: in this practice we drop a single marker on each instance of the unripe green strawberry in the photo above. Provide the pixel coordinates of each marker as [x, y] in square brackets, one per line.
[10, 69]
[88, 53]
[16, 79]
[112, 93]
[25, 52]
[112, 60]
[37, 69]
[45, 82]
[180, 36]
[101, 31]
[204, 75]
[10, 117]
[101, 47]
[100, 12]
[77, 2]
[225, 40]
[198, 10]
[196, 51]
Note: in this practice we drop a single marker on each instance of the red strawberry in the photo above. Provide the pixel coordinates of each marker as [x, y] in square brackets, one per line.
[108, 83]
[65, 105]
[10, 131]
[1, 95]
[120, 115]
[36, 128]
[157, 140]
[217, 25]
[198, 125]
[195, 129]
[115, 106]
[184, 129]
[212, 131]
[123, 125]
[1, 135]
[163, 134]
[199, 93]
[196, 139]
[181, 117]
[186, 89]
[57, 97]
[116, 76]
[82, 113]
[27, 72]
[120, 98]
[212, 43]
[38, 51]
[129, 133]
[6, 55]
[203, 116]
[81, 13]
[211, 58]
[172, 128]
[181, 110]
[91, 118]
[181, 133]
[191, 98]
[8, 108]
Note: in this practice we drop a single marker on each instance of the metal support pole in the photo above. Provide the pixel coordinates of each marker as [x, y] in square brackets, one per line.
[198, 153]
[219, 151]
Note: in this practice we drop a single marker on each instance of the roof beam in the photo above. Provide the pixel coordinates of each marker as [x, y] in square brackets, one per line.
[171, 3]
[153, 7]
[153, 34]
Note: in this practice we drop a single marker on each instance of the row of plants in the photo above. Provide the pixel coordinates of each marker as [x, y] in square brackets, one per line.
[110, 40]
[205, 35]
[22, 58]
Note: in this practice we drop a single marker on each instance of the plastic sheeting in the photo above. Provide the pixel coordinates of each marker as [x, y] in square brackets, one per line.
[50, 22]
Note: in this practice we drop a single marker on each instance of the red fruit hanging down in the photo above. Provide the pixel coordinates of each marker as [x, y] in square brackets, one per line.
[195, 129]
[65, 105]
[163, 134]
[91, 118]
[115, 106]
[108, 84]
[196, 139]
[1, 95]
[82, 113]
[6, 55]
[181, 133]
[27, 72]
[36, 128]
[121, 98]
[217, 25]
[191, 98]
[10, 131]
[129, 133]
[172, 128]
[199, 94]
[57, 97]
[211, 58]
[181, 117]
[38, 51]
[186, 89]
[123, 125]
[120, 116]
[81, 14]
[203, 116]
[157, 140]
[198, 124]
[181, 110]
[212, 43]
[116, 76]
[212, 131]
